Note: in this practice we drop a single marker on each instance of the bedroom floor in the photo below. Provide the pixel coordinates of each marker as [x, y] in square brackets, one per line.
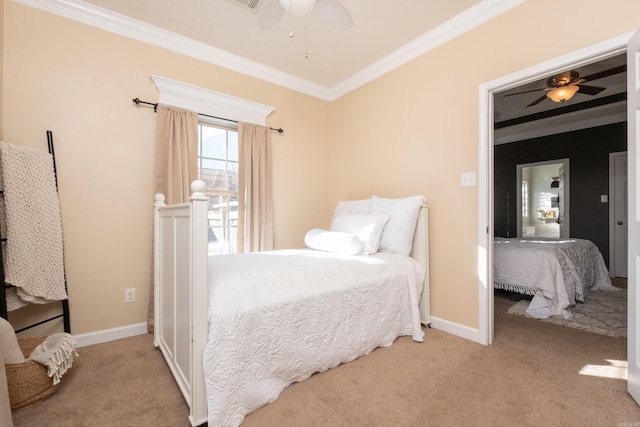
[620, 282]
[534, 374]
[602, 312]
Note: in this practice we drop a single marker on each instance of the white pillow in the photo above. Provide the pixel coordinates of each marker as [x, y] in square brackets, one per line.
[397, 236]
[351, 206]
[333, 241]
[9, 343]
[368, 227]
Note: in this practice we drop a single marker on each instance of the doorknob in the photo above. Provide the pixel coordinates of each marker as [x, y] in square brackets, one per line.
[620, 223]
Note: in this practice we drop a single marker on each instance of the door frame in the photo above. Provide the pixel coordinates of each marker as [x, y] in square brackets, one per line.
[576, 59]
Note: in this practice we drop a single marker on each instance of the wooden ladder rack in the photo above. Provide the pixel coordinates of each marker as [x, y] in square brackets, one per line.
[3, 297]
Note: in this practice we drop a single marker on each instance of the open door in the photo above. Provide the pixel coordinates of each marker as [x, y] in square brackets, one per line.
[633, 143]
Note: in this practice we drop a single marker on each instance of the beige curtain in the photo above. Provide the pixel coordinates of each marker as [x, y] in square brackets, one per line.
[255, 217]
[176, 163]
[176, 153]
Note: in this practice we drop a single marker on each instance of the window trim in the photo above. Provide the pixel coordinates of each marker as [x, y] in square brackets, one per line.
[205, 101]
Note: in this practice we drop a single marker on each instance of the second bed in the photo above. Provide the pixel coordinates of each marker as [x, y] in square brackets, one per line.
[556, 272]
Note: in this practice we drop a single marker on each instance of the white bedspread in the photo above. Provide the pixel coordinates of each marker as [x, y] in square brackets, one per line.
[558, 272]
[278, 317]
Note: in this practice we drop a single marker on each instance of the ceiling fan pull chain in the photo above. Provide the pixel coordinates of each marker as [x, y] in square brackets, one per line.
[306, 36]
[291, 20]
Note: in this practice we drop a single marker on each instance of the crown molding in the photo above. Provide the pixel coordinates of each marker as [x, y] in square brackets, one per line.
[467, 20]
[96, 16]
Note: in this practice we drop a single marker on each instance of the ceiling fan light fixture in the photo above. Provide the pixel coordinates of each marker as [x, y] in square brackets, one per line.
[298, 7]
[562, 93]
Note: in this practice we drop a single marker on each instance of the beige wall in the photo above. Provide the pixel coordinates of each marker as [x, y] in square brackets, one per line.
[417, 128]
[79, 81]
[412, 131]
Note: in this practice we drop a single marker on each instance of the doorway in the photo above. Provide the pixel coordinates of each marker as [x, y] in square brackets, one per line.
[486, 166]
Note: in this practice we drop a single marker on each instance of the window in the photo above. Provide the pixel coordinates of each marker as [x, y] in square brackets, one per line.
[218, 168]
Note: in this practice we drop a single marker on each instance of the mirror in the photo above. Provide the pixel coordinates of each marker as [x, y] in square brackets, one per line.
[543, 198]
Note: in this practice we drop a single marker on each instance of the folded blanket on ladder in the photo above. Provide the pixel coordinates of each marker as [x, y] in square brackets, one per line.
[34, 261]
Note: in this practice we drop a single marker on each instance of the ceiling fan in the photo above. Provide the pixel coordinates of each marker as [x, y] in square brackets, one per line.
[332, 12]
[561, 87]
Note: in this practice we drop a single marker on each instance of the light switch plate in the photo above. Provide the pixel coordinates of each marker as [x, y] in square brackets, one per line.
[468, 179]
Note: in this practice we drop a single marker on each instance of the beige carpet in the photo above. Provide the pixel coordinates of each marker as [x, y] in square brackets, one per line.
[530, 376]
[120, 383]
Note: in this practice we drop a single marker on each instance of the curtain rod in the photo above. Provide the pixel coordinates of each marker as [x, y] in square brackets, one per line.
[155, 109]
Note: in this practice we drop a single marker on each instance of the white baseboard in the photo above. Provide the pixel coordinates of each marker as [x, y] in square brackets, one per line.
[107, 335]
[456, 329]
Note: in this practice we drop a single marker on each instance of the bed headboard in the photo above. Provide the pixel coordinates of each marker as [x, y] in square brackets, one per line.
[420, 252]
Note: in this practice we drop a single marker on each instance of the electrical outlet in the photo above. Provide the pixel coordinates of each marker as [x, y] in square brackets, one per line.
[130, 295]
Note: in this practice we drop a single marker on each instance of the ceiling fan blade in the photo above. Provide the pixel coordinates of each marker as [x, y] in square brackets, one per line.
[270, 14]
[590, 90]
[606, 73]
[537, 101]
[526, 91]
[334, 14]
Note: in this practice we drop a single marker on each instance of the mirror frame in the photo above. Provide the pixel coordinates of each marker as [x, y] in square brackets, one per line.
[565, 195]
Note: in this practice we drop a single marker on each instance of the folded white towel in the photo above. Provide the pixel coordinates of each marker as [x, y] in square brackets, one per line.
[56, 353]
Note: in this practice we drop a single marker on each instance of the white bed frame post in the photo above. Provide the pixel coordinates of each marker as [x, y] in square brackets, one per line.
[181, 294]
[199, 299]
[159, 203]
[420, 252]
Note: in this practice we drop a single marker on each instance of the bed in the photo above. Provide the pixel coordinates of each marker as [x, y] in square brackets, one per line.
[557, 273]
[235, 345]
